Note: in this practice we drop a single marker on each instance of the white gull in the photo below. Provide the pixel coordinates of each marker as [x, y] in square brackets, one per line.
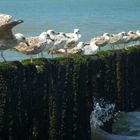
[72, 39]
[90, 49]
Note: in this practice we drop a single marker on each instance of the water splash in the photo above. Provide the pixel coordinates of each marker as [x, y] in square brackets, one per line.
[102, 112]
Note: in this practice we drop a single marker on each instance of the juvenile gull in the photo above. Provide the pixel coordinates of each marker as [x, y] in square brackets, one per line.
[35, 45]
[59, 44]
[101, 41]
[72, 39]
[60, 41]
[90, 49]
[74, 50]
[53, 34]
[125, 39]
[51, 40]
[7, 38]
[115, 39]
[134, 37]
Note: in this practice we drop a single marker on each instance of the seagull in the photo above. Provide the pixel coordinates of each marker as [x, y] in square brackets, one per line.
[134, 36]
[35, 45]
[125, 39]
[7, 39]
[52, 34]
[72, 39]
[60, 41]
[101, 41]
[115, 39]
[74, 50]
[50, 43]
[138, 33]
[90, 49]
[75, 32]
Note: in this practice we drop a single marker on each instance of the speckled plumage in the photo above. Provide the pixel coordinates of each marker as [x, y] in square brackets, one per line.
[35, 45]
[7, 39]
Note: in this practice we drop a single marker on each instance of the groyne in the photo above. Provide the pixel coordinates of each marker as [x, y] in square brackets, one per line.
[51, 99]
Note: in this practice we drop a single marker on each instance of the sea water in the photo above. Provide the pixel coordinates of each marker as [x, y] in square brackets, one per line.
[92, 17]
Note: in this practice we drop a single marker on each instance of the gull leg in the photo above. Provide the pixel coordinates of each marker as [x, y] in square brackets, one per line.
[66, 52]
[42, 54]
[52, 53]
[125, 47]
[31, 59]
[49, 52]
[37, 56]
[3, 56]
[113, 47]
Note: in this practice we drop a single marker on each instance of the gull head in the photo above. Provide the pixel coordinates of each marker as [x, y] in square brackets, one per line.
[122, 33]
[62, 34]
[48, 37]
[52, 32]
[43, 36]
[80, 45]
[106, 34]
[130, 33]
[138, 32]
[77, 32]
[20, 38]
[92, 43]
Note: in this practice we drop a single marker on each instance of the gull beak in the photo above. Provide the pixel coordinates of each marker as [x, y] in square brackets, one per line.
[65, 35]
[27, 43]
[48, 37]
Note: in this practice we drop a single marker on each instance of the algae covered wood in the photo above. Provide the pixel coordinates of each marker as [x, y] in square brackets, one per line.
[51, 99]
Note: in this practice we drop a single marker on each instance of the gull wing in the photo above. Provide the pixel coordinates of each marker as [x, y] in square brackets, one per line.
[115, 39]
[4, 19]
[6, 30]
[99, 41]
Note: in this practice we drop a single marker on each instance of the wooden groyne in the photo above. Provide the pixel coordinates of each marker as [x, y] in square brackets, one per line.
[52, 99]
